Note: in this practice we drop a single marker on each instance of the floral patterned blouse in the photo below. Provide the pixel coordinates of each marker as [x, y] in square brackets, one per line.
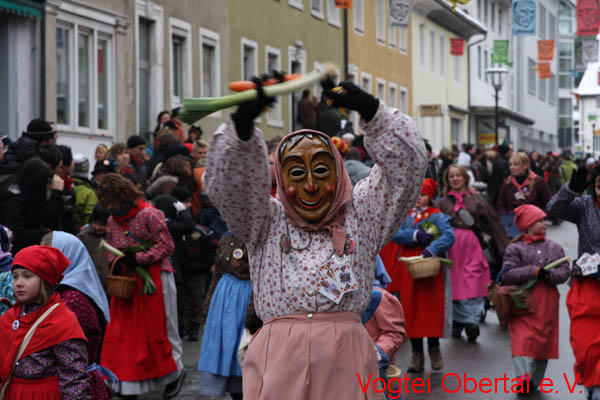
[147, 225]
[67, 360]
[237, 180]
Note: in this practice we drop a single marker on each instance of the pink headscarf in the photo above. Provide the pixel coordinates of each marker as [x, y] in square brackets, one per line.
[336, 216]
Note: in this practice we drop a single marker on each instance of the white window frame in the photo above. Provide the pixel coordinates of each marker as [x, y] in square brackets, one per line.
[381, 83]
[380, 25]
[393, 95]
[299, 56]
[432, 40]
[403, 101]
[479, 76]
[102, 26]
[317, 13]
[274, 117]
[154, 13]
[213, 36]
[333, 14]
[358, 19]
[541, 23]
[422, 46]
[178, 27]
[366, 76]
[531, 77]
[456, 69]
[245, 42]
[353, 70]
[552, 89]
[403, 40]
[443, 56]
[392, 36]
[299, 4]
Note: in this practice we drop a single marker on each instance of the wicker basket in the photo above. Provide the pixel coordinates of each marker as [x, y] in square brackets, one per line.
[395, 373]
[119, 286]
[423, 267]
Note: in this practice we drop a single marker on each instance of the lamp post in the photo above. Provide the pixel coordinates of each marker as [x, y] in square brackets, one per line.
[497, 76]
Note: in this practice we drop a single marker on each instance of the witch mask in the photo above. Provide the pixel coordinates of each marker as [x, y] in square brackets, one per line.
[309, 176]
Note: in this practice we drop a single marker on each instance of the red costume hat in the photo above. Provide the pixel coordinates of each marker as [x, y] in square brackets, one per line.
[527, 215]
[46, 262]
[429, 187]
[340, 145]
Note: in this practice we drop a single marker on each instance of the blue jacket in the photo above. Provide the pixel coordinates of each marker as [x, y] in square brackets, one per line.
[406, 233]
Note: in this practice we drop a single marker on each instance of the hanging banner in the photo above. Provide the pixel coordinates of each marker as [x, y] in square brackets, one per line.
[545, 50]
[500, 54]
[544, 71]
[589, 51]
[343, 3]
[399, 13]
[457, 46]
[524, 17]
[588, 17]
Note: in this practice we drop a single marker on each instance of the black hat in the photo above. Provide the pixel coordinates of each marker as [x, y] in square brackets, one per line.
[503, 149]
[164, 203]
[39, 129]
[135, 141]
[100, 213]
[181, 193]
[104, 166]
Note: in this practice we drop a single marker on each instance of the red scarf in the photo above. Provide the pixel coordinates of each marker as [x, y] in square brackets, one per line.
[420, 215]
[530, 239]
[139, 205]
[520, 186]
[69, 183]
[59, 326]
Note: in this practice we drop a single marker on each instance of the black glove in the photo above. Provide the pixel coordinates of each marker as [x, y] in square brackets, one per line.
[543, 275]
[578, 182]
[128, 263]
[247, 112]
[423, 238]
[351, 97]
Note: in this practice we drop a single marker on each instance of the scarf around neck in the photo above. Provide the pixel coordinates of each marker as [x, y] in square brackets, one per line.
[527, 238]
[459, 203]
[139, 205]
[528, 181]
[336, 216]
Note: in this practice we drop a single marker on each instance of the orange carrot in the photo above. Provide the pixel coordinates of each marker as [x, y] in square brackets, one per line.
[240, 86]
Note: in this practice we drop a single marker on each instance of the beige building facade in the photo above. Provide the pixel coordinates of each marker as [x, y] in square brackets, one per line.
[295, 36]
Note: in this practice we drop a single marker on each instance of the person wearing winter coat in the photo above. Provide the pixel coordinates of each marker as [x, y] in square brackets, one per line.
[534, 337]
[426, 302]
[85, 195]
[39, 132]
[571, 204]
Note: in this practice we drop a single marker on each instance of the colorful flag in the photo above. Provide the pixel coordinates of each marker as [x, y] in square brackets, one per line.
[454, 2]
[589, 50]
[545, 50]
[524, 15]
[588, 17]
[544, 71]
[457, 46]
[343, 3]
[399, 13]
[500, 54]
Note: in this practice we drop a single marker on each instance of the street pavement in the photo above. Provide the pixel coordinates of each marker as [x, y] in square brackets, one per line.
[488, 358]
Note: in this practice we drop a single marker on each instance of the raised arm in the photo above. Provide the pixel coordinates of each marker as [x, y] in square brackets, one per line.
[384, 198]
[237, 180]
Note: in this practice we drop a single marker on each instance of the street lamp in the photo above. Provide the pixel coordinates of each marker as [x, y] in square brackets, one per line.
[497, 76]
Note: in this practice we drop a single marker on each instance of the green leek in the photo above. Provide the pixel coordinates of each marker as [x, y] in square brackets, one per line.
[196, 109]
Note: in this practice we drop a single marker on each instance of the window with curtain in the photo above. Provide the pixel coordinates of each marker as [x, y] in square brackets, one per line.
[63, 77]
[84, 78]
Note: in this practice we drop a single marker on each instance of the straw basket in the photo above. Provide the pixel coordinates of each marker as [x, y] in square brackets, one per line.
[122, 287]
[423, 267]
[393, 372]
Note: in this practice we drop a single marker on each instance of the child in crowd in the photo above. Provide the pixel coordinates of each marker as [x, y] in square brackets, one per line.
[51, 363]
[85, 195]
[91, 235]
[534, 337]
[229, 303]
[6, 281]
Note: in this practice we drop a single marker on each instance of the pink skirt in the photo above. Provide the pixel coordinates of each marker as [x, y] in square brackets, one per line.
[297, 357]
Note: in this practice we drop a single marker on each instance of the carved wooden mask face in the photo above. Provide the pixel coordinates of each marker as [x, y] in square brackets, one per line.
[309, 177]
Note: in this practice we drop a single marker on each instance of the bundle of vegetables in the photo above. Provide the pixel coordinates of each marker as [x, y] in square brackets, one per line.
[431, 228]
[148, 286]
[195, 109]
[521, 298]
